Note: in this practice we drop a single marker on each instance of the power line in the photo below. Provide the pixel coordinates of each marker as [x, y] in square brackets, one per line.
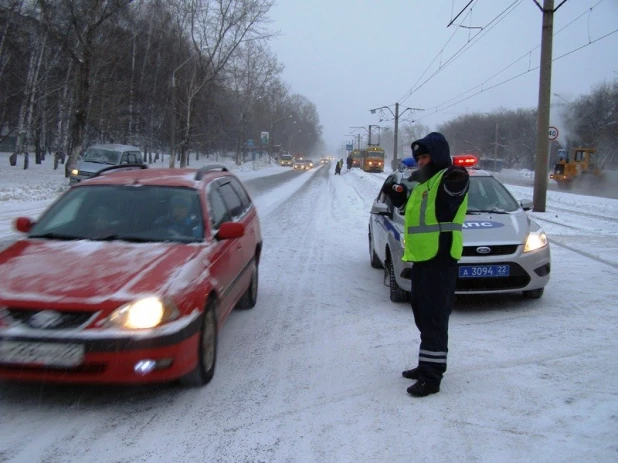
[406, 95]
[478, 36]
[484, 30]
[528, 53]
[462, 10]
[441, 107]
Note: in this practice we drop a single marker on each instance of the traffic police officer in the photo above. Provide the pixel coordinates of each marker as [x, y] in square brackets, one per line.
[434, 217]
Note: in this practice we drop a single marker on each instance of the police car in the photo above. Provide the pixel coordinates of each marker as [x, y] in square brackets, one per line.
[504, 250]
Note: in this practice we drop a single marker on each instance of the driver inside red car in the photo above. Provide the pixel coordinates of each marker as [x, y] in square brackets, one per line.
[101, 222]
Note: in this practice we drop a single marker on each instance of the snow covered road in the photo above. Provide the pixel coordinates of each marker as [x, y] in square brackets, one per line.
[312, 373]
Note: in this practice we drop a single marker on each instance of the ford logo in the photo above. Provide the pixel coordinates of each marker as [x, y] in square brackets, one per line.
[45, 319]
[483, 250]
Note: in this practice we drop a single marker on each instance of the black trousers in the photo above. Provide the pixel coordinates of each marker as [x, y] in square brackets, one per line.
[433, 297]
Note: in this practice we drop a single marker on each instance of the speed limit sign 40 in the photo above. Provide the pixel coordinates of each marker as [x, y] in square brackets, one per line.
[553, 133]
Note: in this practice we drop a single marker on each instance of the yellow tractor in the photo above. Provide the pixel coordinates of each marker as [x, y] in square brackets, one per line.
[580, 166]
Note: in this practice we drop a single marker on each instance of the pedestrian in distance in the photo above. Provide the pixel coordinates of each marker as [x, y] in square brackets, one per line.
[434, 217]
[338, 168]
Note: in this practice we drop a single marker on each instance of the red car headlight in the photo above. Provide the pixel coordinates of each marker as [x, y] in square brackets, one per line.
[145, 313]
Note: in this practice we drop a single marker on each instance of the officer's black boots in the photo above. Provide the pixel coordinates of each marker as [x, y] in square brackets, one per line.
[410, 374]
[422, 389]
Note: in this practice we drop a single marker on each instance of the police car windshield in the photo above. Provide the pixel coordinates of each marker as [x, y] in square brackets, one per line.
[487, 194]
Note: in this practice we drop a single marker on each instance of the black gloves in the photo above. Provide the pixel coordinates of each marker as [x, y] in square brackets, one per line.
[456, 180]
[397, 192]
[455, 174]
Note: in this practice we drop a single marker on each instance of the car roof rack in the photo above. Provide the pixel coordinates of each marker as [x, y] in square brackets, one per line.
[120, 167]
[204, 170]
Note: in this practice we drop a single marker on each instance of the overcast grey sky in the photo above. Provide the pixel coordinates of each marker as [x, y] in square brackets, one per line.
[348, 56]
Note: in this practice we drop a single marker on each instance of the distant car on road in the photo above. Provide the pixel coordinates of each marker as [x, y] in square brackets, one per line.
[303, 164]
[98, 157]
[504, 250]
[286, 160]
[128, 278]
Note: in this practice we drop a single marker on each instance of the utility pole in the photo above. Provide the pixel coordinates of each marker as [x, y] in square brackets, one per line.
[395, 136]
[396, 115]
[496, 149]
[542, 127]
[369, 137]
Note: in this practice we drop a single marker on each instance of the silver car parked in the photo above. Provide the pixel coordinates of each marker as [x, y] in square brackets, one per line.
[504, 250]
[98, 157]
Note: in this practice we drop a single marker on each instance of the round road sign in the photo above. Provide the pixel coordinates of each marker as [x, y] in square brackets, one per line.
[553, 132]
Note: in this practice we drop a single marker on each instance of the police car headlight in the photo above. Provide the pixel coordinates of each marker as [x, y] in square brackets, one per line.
[536, 240]
[145, 313]
[74, 172]
[402, 240]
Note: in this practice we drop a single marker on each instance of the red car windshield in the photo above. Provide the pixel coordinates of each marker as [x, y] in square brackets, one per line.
[110, 212]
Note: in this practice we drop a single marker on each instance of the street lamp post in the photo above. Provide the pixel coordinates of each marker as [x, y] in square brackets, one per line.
[562, 98]
[272, 136]
[292, 138]
[359, 136]
[172, 161]
[353, 137]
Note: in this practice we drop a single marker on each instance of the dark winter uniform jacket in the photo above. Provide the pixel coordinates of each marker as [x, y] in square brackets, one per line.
[453, 188]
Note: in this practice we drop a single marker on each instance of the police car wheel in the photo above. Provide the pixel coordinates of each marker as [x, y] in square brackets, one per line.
[375, 260]
[534, 293]
[396, 293]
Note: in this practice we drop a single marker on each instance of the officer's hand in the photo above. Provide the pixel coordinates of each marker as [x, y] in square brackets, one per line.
[388, 187]
[456, 174]
[399, 194]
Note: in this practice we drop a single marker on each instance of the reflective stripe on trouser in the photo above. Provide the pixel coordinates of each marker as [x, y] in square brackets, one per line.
[433, 289]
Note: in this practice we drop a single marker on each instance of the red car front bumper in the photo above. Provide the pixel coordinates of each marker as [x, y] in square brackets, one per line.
[108, 357]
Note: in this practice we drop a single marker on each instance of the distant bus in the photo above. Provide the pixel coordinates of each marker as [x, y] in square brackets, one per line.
[373, 159]
[357, 158]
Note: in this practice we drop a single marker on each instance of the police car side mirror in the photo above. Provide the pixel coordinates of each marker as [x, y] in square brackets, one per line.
[380, 209]
[526, 204]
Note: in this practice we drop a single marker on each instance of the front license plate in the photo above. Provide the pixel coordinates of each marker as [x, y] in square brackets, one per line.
[41, 353]
[483, 271]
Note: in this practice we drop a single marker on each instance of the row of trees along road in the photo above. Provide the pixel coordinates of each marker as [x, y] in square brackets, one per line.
[145, 72]
[590, 120]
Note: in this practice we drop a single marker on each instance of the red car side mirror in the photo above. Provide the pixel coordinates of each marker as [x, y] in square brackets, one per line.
[23, 224]
[231, 230]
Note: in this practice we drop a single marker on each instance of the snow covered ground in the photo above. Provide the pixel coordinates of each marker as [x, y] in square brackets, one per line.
[313, 372]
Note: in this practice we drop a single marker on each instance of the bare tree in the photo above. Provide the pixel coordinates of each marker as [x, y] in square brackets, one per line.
[74, 25]
[251, 71]
[593, 121]
[216, 29]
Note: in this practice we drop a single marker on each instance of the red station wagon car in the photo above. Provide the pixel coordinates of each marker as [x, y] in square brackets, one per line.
[128, 277]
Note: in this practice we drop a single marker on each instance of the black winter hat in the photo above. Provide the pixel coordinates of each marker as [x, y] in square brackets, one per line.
[436, 145]
[418, 149]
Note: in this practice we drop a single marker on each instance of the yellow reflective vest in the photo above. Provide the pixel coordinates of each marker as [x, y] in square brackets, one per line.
[422, 229]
